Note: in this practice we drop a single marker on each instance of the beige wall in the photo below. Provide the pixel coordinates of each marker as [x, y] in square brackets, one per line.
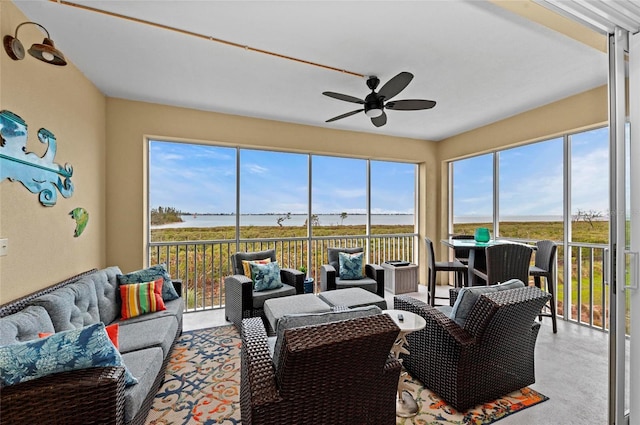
[130, 123]
[42, 248]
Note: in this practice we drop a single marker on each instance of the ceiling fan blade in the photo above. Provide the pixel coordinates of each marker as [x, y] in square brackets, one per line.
[348, 114]
[395, 85]
[410, 104]
[344, 97]
[380, 121]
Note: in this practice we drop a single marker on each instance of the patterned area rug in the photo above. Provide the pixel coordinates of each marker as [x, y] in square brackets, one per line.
[202, 386]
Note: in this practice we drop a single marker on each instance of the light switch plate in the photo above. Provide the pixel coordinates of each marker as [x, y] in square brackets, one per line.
[4, 247]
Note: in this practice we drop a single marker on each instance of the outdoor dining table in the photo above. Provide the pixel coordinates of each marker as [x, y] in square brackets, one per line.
[476, 252]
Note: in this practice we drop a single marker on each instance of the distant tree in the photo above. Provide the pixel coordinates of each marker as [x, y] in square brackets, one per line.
[343, 215]
[315, 221]
[281, 219]
[589, 216]
[164, 215]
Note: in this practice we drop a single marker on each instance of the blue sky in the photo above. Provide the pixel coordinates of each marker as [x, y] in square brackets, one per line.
[531, 178]
[198, 178]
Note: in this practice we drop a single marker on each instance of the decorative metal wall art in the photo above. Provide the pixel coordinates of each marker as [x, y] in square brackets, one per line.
[81, 216]
[38, 174]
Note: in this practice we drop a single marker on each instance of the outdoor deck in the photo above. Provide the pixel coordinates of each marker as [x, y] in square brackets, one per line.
[571, 369]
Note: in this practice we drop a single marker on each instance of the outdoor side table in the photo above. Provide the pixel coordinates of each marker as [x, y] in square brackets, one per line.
[406, 406]
[400, 279]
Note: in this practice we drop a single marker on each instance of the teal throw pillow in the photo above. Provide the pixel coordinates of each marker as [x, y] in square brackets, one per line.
[63, 351]
[350, 265]
[151, 274]
[468, 296]
[266, 276]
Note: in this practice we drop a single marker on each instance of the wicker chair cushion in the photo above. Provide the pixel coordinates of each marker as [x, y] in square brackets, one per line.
[150, 274]
[24, 325]
[71, 307]
[350, 265]
[60, 352]
[259, 297]
[468, 296]
[289, 321]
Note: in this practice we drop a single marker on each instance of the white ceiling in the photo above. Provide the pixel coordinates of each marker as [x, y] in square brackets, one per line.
[480, 63]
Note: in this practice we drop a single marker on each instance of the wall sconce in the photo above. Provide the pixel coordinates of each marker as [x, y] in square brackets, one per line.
[46, 52]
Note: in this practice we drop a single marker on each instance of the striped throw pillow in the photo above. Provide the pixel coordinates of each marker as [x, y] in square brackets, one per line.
[141, 298]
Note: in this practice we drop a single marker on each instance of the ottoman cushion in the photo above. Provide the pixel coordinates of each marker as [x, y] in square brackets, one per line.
[353, 297]
[276, 308]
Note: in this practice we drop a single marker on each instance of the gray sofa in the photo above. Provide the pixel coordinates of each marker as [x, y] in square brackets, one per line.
[145, 343]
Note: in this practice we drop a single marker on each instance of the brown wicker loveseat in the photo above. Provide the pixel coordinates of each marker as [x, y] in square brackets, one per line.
[331, 373]
[96, 395]
[490, 356]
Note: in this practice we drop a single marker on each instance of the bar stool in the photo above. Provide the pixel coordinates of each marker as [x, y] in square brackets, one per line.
[545, 265]
[442, 266]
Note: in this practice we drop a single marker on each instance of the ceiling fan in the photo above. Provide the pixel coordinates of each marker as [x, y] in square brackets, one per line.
[375, 103]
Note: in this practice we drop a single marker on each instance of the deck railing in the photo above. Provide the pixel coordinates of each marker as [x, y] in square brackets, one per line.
[203, 265]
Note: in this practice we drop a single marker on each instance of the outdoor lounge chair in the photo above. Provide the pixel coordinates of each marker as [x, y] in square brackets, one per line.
[372, 281]
[339, 372]
[491, 355]
[242, 301]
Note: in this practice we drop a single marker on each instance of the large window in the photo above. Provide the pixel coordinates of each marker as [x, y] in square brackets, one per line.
[530, 190]
[340, 193]
[472, 194]
[200, 192]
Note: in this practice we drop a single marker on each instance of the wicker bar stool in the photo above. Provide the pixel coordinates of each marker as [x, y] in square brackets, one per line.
[462, 254]
[442, 266]
[545, 265]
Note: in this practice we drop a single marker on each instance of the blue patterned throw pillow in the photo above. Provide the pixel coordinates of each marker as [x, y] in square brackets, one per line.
[266, 276]
[150, 274]
[350, 265]
[63, 351]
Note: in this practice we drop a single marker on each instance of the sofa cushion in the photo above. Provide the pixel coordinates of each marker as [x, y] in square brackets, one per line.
[144, 366]
[468, 296]
[289, 321]
[152, 273]
[72, 306]
[141, 298]
[265, 276]
[63, 351]
[106, 285]
[159, 332]
[24, 325]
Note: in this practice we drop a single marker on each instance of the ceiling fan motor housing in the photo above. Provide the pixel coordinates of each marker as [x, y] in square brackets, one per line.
[373, 101]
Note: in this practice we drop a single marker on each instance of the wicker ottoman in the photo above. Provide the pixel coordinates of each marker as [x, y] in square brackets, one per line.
[276, 308]
[352, 297]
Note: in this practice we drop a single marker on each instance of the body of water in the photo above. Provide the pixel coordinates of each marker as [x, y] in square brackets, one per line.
[332, 220]
[295, 220]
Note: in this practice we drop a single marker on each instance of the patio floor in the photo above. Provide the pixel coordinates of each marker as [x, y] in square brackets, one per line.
[571, 369]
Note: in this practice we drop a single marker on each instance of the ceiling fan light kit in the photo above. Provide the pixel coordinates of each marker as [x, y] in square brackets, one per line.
[374, 103]
[45, 52]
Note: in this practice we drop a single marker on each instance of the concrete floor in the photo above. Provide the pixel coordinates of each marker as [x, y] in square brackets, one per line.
[571, 369]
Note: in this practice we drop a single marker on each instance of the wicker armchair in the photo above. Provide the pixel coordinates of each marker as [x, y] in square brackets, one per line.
[241, 301]
[338, 372]
[330, 276]
[492, 355]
